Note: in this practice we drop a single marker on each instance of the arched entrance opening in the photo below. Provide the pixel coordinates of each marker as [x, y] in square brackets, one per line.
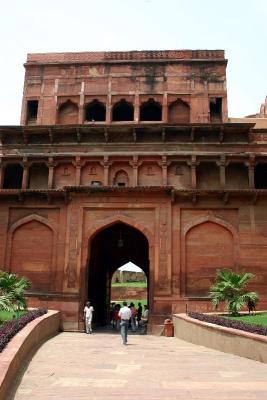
[111, 248]
[129, 283]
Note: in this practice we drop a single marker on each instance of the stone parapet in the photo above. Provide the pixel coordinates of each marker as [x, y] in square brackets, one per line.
[30, 337]
[227, 340]
[111, 56]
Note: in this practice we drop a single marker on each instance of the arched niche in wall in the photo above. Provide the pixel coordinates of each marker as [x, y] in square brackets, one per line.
[13, 176]
[121, 178]
[67, 113]
[179, 112]
[122, 111]
[209, 246]
[31, 251]
[95, 111]
[150, 110]
[38, 176]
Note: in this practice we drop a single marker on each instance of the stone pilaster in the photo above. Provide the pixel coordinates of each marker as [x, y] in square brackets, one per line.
[25, 176]
[51, 166]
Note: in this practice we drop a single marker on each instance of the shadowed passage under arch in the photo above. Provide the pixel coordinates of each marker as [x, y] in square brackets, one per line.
[111, 248]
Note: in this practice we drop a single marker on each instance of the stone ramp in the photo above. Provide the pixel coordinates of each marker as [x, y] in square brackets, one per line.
[98, 367]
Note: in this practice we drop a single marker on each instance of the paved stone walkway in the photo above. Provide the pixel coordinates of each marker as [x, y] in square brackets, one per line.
[98, 367]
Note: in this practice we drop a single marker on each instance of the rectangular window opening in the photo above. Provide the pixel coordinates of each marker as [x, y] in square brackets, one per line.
[216, 109]
[32, 111]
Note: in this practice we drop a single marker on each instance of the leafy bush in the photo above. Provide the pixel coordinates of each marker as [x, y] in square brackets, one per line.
[215, 319]
[10, 328]
[230, 288]
[12, 289]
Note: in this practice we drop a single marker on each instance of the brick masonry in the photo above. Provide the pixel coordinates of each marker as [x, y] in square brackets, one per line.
[187, 188]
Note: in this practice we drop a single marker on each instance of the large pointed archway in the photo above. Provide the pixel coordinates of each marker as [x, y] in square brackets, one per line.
[110, 248]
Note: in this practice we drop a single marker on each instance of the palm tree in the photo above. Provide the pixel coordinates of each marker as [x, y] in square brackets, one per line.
[230, 288]
[12, 290]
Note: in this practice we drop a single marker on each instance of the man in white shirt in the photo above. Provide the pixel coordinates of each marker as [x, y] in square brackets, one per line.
[88, 316]
[125, 315]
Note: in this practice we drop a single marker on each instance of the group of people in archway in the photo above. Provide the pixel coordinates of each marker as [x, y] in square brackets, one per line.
[138, 317]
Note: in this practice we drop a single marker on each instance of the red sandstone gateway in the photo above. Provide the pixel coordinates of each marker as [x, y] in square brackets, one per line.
[137, 147]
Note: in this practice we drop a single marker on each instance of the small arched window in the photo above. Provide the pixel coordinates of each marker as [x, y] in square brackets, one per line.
[92, 171]
[178, 170]
[95, 111]
[68, 113]
[179, 112]
[121, 178]
[151, 110]
[122, 111]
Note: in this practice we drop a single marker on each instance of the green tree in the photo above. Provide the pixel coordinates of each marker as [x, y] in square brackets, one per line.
[230, 288]
[12, 292]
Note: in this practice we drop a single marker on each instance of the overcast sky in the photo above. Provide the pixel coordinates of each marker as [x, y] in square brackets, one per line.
[238, 26]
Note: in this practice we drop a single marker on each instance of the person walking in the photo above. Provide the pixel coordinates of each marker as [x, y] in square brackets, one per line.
[133, 316]
[88, 316]
[125, 315]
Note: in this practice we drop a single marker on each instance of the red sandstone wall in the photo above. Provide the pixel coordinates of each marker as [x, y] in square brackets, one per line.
[49, 245]
[74, 85]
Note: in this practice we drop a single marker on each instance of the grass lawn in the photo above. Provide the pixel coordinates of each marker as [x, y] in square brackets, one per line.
[7, 315]
[130, 284]
[255, 319]
[143, 302]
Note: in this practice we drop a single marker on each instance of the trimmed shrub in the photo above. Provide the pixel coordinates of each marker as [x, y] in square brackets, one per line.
[10, 328]
[228, 323]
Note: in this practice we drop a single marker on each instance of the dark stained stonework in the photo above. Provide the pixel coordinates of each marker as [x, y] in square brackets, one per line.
[136, 144]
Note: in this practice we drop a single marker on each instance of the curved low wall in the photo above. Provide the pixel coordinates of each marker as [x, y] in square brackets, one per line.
[217, 337]
[34, 333]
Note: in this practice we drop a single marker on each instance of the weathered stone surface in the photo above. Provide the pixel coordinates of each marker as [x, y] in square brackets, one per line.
[98, 366]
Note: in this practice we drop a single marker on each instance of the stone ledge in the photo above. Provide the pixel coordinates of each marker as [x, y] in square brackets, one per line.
[21, 345]
[227, 340]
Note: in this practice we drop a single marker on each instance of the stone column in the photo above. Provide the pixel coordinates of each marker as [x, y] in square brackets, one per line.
[105, 163]
[193, 164]
[164, 167]
[81, 105]
[134, 164]
[165, 108]
[51, 166]
[251, 166]
[109, 103]
[78, 167]
[25, 175]
[136, 107]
